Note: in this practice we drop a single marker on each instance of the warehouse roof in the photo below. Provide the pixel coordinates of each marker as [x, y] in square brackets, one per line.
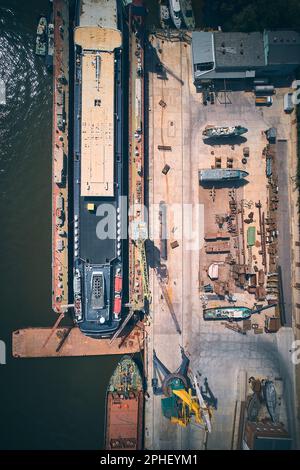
[283, 47]
[202, 47]
[239, 49]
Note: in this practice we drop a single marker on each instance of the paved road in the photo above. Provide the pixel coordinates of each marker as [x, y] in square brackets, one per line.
[284, 241]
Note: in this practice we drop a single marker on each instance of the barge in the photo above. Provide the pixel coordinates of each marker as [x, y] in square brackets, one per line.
[124, 407]
[98, 167]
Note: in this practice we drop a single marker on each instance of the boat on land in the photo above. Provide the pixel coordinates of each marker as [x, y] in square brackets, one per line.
[124, 407]
[99, 143]
[221, 174]
[175, 13]
[233, 313]
[187, 14]
[41, 36]
[223, 131]
[227, 313]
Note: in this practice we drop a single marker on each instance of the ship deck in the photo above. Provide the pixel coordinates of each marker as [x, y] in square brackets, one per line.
[93, 249]
[124, 422]
[97, 133]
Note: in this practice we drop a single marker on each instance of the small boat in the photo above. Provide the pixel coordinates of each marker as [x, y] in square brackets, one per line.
[175, 12]
[41, 36]
[124, 407]
[221, 174]
[187, 13]
[164, 13]
[227, 313]
[223, 131]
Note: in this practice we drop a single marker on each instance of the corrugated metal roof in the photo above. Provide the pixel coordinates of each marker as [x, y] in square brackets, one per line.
[202, 47]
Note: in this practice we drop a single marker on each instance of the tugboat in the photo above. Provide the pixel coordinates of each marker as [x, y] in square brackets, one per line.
[124, 407]
[41, 36]
[214, 131]
[187, 13]
[175, 12]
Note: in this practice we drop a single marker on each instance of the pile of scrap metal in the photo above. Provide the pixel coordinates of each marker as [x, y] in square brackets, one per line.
[240, 273]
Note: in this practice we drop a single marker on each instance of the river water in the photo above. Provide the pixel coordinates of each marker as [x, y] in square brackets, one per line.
[45, 403]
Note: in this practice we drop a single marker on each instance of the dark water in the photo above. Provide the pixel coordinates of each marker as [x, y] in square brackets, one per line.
[45, 403]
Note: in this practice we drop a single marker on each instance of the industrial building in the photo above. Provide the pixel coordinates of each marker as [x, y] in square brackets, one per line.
[244, 56]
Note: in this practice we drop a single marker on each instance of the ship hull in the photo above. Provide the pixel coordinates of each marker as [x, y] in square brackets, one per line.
[187, 14]
[227, 313]
[124, 408]
[211, 132]
[98, 259]
[216, 175]
[175, 15]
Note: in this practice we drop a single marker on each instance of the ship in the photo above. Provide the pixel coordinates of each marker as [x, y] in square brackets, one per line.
[41, 36]
[211, 175]
[164, 13]
[175, 13]
[187, 13]
[227, 313]
[98, 167]
[232, 313]
[222, 131]
[124, 408]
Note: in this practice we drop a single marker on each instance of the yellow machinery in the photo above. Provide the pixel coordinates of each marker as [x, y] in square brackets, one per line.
[178, 403]
[190, 407]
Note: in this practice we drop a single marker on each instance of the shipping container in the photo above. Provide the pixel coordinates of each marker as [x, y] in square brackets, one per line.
[264, 89]
[263, 101]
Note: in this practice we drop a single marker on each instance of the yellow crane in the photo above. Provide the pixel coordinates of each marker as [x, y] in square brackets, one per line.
[178, 403]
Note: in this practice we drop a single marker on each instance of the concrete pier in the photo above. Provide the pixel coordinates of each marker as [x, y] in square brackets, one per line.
[177, 118]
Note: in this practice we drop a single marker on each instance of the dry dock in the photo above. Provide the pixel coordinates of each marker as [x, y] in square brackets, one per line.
[60, 156]
[195, 223]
